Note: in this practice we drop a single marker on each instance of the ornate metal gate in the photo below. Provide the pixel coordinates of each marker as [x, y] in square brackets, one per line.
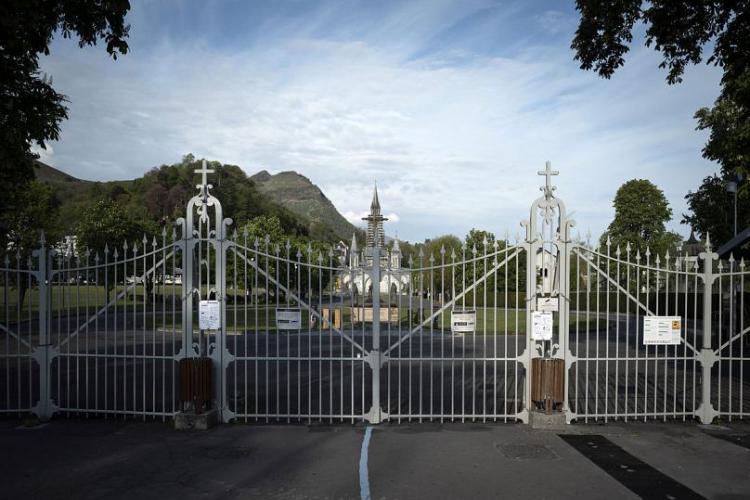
[338, 334]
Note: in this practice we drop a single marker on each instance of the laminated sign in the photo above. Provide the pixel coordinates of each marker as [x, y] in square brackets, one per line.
[208, 315]
[662, 330]
[463, 321]
[541, 325]
[288, 319]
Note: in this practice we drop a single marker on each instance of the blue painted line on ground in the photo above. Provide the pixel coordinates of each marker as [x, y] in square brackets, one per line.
[364, 481]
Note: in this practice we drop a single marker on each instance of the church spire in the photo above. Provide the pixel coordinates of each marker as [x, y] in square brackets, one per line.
[375, 205]
[375, 233]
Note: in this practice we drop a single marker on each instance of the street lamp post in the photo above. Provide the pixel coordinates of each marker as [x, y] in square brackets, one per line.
[733, 187]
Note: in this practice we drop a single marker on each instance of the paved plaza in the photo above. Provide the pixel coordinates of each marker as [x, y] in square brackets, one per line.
[69, 458]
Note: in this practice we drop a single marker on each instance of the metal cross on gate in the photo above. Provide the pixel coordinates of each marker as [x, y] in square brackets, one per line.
[548, 173]
[204, 185]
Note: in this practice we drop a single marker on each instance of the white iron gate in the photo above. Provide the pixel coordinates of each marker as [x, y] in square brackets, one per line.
[308, 333]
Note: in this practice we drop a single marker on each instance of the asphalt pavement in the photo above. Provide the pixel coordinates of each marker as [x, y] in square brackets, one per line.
[96, 458]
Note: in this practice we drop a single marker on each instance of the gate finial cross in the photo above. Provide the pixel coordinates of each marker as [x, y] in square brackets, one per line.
[204, 185]
[548, 173]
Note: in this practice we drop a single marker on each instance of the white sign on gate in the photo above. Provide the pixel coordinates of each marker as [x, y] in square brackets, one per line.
[463, 321]
[541, 325]
[662, 330]
[288, 319]
[209, 315]
[550, 304]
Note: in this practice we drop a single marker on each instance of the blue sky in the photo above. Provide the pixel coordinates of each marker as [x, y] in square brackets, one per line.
[452, 106]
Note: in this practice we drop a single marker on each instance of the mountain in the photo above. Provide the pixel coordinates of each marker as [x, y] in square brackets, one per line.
[161, 194]
[298, 194]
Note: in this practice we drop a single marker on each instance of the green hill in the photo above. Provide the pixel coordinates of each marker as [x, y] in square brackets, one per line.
[298, 194]
[161, 194]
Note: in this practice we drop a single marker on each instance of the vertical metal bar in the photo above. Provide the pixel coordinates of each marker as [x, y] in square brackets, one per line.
[617, 336]
[143, 336]
[342, 411]
[463, 337]
[331, 317]
[730, 334]
[376, 334]
[741, 338]
[484, 334]
[516, 364]
[248, 293]
[647, 357]
[256, 352]
[453, 337]
[588, 335]
[506, 356]
[44, 336]
[474, 337]
[277, 265]
[627, 328]
[400, 333]
[351, 328]
[431, 363]
[576, 391]
[675, 349]
[637, 329]
[309, 335]
[442, 334]
[409, 350]
[606, 336]
[319, 268]
[289, 286]
[267, 297]
[658, 310]
[598, 314]
[720, 335]
[421, 328]
[298, 268]
[389, 274]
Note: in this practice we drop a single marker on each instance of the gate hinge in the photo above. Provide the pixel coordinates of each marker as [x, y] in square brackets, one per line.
[44, 353]
[707, 357]
[376, 358]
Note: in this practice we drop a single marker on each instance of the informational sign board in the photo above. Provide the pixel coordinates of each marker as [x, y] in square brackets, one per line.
[209, 315]
[463, 321]
[288, 319]
[662, 330]
[541, 325]
[550, 304]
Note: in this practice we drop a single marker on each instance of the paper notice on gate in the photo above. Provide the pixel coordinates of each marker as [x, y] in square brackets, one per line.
[541, 325]
[662, 330]
[208, 315]
[463, 321]
[288, 319]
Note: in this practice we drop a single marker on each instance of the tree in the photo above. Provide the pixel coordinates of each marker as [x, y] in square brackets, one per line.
[24, 225]
[729, 125]
[641, 212]
[30, 109]
[35, 213]
[108, 224]
[680, 30]
[713, 209]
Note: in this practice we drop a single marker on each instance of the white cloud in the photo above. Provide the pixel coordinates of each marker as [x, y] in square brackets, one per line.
[452, 146]
[46, 154]
[355, 217]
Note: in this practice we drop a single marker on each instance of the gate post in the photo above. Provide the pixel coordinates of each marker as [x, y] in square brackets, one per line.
[707, 357]
[375, 357]
[43, 353]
